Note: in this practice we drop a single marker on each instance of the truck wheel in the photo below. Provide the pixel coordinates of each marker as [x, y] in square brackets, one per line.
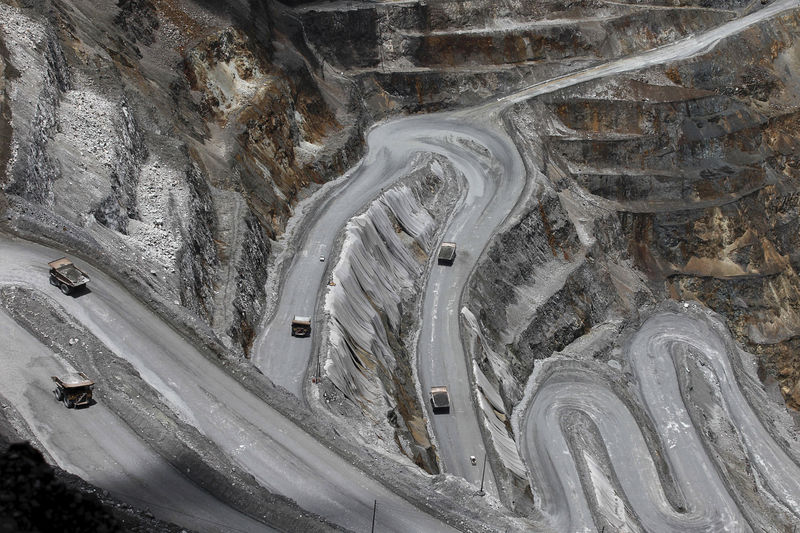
[68, 403]
[53, 281]
[66, 289]
[58, 395]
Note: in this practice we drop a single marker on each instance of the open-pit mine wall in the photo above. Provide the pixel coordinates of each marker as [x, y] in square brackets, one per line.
[677, 182]
[172, 140]
[371, 306]
[701, 167]
[431, 55]
[166, 143]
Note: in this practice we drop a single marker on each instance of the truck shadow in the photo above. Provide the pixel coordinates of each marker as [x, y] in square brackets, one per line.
[80, 291]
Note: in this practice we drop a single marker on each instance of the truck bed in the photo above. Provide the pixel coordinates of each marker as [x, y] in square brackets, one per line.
[73, 380]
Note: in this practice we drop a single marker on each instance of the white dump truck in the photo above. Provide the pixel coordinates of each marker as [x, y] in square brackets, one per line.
[66, 276]
[447, 253]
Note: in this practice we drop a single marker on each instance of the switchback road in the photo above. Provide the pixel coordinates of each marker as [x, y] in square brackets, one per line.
[475, 144]
[657, 355]
[280, 455]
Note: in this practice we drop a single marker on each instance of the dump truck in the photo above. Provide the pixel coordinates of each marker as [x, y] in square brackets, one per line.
[301, 326]
[74, 390]
[66, 276]
[447, 253]
[440, 400]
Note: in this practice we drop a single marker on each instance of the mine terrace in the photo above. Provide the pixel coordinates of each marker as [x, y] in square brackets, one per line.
[407, 266]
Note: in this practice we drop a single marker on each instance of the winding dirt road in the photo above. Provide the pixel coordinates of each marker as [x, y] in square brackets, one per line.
[495, 177]
[281, 456]
[287, 460]
[656, 354]
[475, 144]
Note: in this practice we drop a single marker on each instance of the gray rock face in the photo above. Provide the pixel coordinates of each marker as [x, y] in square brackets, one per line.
[109, 147]
[197, 260]
[31, 171]
[372, 306]
[427, 57]
[120, 205]
[551, 288]
[169, 142]
[251, 270]
[670, 184]
[697, 160]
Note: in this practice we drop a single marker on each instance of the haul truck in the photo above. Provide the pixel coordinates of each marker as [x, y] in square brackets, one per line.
[301, 326]
[440, 400]
[74, 390]
[66, 276]
[447, 253]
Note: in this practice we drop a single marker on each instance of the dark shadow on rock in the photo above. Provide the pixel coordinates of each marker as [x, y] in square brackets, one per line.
[33, 499]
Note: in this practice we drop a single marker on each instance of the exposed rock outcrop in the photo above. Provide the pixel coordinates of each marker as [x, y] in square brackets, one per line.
[172, 140]
[372, 306]
[712, 211]
[426, 57]
[677, 182]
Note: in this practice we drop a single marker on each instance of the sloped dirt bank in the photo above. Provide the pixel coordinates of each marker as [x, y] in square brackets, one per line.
[119, 387]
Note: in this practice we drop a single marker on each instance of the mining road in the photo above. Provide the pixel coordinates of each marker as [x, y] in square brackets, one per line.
[281, 456]
[682, 49]
[99, 447]
[657, 355]
[495, 179]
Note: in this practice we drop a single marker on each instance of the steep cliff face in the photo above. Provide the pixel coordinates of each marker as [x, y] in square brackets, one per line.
[274, 118]
[426, 56]
[554, 287]
[372, 305]
[678, 182]
[713, 212]
[169, 138]
[30, 172]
